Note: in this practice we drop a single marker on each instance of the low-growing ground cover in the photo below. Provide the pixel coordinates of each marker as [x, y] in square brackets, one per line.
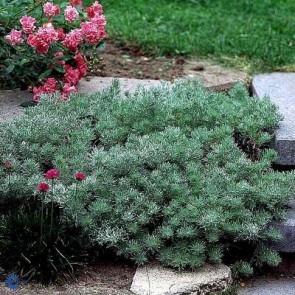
[166, 177]
[252, 36]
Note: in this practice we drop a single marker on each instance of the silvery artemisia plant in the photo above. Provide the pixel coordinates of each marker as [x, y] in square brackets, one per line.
[180, 174]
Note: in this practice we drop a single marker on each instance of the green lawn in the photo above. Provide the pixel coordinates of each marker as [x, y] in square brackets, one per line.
[253, 35]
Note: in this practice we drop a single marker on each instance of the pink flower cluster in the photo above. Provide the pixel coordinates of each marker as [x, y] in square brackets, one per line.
[51, 9]
[44, 37]
[47, 39]
[54, 174]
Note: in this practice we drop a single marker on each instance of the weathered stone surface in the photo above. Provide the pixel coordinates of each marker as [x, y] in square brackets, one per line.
[287, 229]
[213, 76]
[157, 280]
[280, 87]
[269, 286]
[95, 84]
[10, 100]
[10, 104]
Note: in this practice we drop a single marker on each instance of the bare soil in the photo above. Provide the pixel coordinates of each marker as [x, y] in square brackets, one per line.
[120, 59]
[105, 278]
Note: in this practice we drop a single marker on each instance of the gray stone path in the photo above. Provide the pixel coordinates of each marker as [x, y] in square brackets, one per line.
[154, 279]
[270, 286]
[10, 100]
[280, 87]
[10, 103]
[213, 76]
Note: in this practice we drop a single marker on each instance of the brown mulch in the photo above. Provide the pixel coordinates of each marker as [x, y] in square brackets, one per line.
[105, 278]
[120, 59]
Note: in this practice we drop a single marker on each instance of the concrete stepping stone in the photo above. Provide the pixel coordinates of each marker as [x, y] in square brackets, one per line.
[10, 100]
[280, 87]
[287, 229]
[269, 286]
[96, 84]
[155, 279]
[213, 76]
[10, 104]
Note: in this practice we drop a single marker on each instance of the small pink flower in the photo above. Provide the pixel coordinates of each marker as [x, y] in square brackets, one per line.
[91, 32]
[94, 10]
[72, 75]
[28, 24]
[44, 37]
[8, 164]
[73, 39]
[100, 21]
[81, 62]
[52, 174]
[80, 176]
[76, 2]
[50, 86]
[15, 37]
[51, 9]
[67, 89]
[71, 14]
[43, 187]
[61, 34]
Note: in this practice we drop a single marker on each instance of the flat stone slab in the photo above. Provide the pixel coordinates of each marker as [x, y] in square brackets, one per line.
[10, 104]
[280, 87]
[287, 229]
[10, 100]
[96, 84]
[213, 76]
[269, 286]
[157, 280]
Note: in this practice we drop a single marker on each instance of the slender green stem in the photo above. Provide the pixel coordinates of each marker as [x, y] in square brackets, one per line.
[51, 213]
[42, 220]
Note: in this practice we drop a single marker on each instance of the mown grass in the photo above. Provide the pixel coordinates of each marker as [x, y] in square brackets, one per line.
[253, 35]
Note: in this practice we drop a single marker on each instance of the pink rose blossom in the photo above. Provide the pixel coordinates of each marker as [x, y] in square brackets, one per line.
[73, 39]
[67, 89]
[50, 86]
[51, 9]
[91, 32]
[28, 24]
[72, 75]
[81, 62]
[15, 37]
[60, 34]
[44, 37]
[100, 21]
[76, 2]
[95, 9]
[71, 14]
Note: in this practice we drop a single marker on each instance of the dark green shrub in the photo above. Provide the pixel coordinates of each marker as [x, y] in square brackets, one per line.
[167, 175]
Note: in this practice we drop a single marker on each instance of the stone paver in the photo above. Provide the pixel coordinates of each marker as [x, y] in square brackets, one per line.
[10, 104]
[95, 84]
[271, 286]
[280, 87]
[213, 76]
[10, 100]
[287, 229]
[155, 279]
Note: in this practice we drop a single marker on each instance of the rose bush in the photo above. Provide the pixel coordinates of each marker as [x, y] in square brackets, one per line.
[48, 50]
